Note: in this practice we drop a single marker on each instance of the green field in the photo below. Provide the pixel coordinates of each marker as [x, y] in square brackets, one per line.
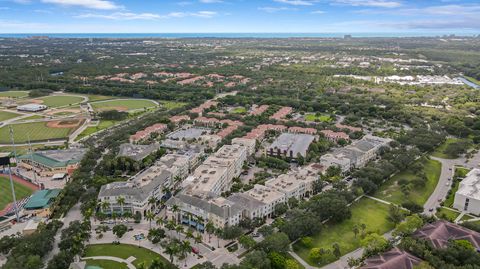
[61, 100]
[106, 264]
[104, 124]
[390, 190]
[6, 194]
[239, 110]
[318, 118]
[460, 173]
[124, 251]
[95, 97]
[123, 105]
[20, 149]
[447, 214]
[38, 131]
[172, 105]
[33, 117]
[14, 94]
[440, 151]
[367, 211]
[6, 115]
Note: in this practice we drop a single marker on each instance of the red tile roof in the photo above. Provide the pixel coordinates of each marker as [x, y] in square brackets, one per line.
[439, 232]
[393, 259]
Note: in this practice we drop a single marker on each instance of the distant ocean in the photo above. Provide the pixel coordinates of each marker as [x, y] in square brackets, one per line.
[224, 35]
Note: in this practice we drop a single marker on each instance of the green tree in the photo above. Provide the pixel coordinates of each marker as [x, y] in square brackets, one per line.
[119, 230]
[246, 241]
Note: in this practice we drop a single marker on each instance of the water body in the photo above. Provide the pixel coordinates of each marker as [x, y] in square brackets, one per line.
[217, 35]
[469, 83]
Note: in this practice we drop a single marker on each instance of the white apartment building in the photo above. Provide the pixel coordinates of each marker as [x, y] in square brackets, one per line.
[246, 142]
[297, 183]
[339, 160]
[467, 197]
[268, 196]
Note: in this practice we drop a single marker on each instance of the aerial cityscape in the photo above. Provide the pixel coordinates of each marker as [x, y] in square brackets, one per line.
[230, 134]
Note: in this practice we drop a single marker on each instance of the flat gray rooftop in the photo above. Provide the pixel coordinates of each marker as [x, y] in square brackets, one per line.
[296, 143]
[190, 133]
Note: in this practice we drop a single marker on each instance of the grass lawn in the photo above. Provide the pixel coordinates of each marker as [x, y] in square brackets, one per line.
[95, 97]
[473, 80]
[6, 115]
[289, 257]
[460, 173]
[14, 94]
[38, 131]
[20, 149]
[390, 190]
[440, 151]
[447, 214]
[239, 110]
[172, 105]
[106, 264]
[60, 100]
[124, 251]
[320, 118]
[104, 124]
[367, 211]
[6, 194]
[123, 105]
[33, 117]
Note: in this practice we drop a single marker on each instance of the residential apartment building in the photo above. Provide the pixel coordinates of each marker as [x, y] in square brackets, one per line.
[467, 197]
[269, 197]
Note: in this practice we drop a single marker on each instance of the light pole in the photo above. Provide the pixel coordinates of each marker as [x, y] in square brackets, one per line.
[15, 206]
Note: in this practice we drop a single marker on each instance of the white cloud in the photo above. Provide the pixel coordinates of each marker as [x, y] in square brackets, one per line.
[370, 3]
[91, 4]
[147, 16]
[274, 9]
[297, 2]
[318, 12]
[4, 8]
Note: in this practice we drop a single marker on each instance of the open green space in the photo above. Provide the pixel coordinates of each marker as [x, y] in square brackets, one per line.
[391, 190]
[367, 211]
[95, 97]
[21, 191]
[171, 104]
[460, 173]
[60, 100]
[20, 149]
[6, 115]
[239, 110]
[318, 118]
[447, 214]
[104, 124]
[106, 264]
[123, 104]
[473, 80]
[124, 251]
[440, 150]
[36, 131]
[14, 94]
[33, 117]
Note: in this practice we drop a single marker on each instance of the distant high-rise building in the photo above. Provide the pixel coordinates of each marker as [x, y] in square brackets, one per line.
[347, 36]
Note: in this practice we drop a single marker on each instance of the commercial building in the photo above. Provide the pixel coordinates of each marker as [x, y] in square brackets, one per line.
[137, 152]
[290, 145]
[338, 159]
[32, 108]
[268, 196]
[247, 143]
[297, 183]
[40, 202]
[50, 162]
[467, 197]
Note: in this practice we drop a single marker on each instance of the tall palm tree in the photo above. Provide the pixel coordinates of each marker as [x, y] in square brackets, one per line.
[185, 249]
[104, 205]
[210, 229]
[152, 201]
[150, 216]
[218, 233]
[121, 202]
[198, 239]
[175, 209]
[189, 234]
[159, 221]
[179, 229]
[200, 220]
[172, 249]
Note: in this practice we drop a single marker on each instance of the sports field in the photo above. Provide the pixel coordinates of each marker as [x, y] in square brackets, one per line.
[123, 104]
[318, 118]
[104, 124]
[6, 115]
[60, 100]
[14, 94]
[38, 131]
[21, 191]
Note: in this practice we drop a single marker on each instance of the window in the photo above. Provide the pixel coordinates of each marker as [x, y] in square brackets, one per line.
[467, 201]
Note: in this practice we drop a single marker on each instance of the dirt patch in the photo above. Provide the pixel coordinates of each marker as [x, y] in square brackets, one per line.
[118, 108]
[36, 101]
[64, 123]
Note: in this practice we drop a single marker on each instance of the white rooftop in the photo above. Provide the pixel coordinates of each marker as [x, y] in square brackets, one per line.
[470, 186]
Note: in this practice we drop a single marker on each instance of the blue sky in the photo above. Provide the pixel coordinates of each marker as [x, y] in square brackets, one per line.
[247, 16]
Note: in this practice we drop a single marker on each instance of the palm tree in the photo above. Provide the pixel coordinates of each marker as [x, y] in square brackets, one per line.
[218, 233]
[179, 229]
[156, 264]
[121, 202]
[172, 248]
[210, 229]
[185, 249]
[159, 221]
[152, 201]
[150, 216]
[175, 208]
[198, 239]
[199, 220]
[114, 217]
[104, 205]
[189, 234]
[170, 225]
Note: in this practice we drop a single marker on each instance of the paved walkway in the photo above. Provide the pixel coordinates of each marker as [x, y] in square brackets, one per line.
[115, 259]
